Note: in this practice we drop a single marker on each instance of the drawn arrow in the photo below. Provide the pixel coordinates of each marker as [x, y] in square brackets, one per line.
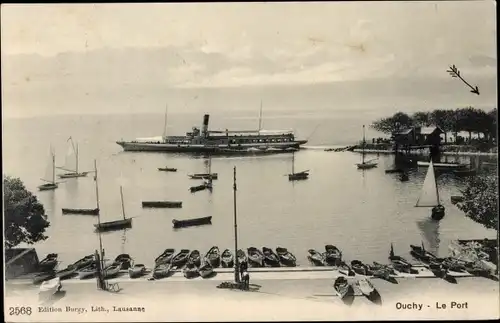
[454, 72]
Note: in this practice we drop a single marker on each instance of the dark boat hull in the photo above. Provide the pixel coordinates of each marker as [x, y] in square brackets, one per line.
[162, 204]
[198, 188]
[181, 258]
[73, 175]
[270, 258]
[316, 258]
[212, 176]
[113, 225]
[47, 187]
[255, 257]
[81, 211]
[298, 176]
[165, 257]
[213, 257]
[286, 257]
[192, 222]
[167, 169]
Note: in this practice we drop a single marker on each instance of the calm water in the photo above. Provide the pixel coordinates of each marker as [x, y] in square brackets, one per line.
[360, 212]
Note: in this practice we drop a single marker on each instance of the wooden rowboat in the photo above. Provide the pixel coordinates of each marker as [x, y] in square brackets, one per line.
[213, 257]
[94, 211]
[162, 204]
[192, 222]
[227, 259]
[315, 258]
[255, 257]
[136, 271]
[286, 257]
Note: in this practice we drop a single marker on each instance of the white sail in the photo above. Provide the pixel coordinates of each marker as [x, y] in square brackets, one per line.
[49, 170]
[429, 194]
[70, 158]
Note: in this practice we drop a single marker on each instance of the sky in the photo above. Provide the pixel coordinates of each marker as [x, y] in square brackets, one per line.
[57, 54]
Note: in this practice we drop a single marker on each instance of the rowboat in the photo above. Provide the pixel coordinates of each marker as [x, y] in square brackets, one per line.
[48, 263]
[453, 265]
[255, 257]
[117, 224]
[286, 257]
[194, 258]
[84, 262]
[344, 290]
[180, 258]
[332, 255]
[136, 271]
[124, 260]
[67, 272]
[94, 211]
[419, 253]
[345, 269]
[162, 204]
[162, 271]
[167, 169]
[88, 271]
[200, 187]
[37, 279]
[227, 259]
[190, 271]
[360, 268]
[383, 272]
[242, 256]
[213, 257]
[316, 258]
[208, 176]
[442, 165]
[366, 287]
[270, 258]
[111, 271]
[165, 257]
[192, 222]
[206, 270]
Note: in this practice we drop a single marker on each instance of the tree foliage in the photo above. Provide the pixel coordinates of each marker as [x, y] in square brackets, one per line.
[24, 217]
[480, 200]
[467, 119]
[398, 121]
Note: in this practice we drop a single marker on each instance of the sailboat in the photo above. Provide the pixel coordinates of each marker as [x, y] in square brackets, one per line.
[117, 224]
[429, 196]
[86, 211]
[365, 164]
[50, 174]
[71, 163]
[293, 176]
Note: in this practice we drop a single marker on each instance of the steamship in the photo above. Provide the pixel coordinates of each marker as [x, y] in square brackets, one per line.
[222, 142]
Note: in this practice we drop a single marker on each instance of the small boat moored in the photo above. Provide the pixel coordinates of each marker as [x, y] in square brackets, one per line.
[167, 169]
[345, 269]
[315, 258]
[227, 259]
[165, 257]
[192, 222]
[94, 211]
[270, 258]
[332, 255]
[366, 288]
[137, 270]
[206, 270]
[360, 268]
[162, 271]
[286, 257]
[194, 258]
[162, 204]
[48, 263]
[213, 257]
[180, 258]
[344, 290]
[255, 257]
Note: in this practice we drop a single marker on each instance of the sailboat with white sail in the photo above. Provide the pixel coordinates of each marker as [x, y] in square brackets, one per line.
[71, 162]
[365, 164]
[293, 176]
[50, 174]
[429, 196]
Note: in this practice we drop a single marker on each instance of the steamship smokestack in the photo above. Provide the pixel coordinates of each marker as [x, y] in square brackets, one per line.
[204, 129]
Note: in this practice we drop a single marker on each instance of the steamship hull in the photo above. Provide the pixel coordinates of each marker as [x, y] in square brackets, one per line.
[219, 142]
[221, 149]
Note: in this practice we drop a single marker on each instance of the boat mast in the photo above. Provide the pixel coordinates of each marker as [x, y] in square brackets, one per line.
[165, 123]
[76, 153]
[53, 168]
[236, 262]
[98, 217]
[363, 148]
[260, 117]
[123, 206]
[293, 162]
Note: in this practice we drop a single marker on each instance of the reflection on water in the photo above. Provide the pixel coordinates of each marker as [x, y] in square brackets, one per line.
[429, 230]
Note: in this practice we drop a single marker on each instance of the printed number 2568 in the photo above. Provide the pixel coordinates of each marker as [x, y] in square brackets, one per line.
[19, 310]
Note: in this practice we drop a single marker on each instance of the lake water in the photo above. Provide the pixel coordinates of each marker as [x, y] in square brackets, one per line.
[361, 212]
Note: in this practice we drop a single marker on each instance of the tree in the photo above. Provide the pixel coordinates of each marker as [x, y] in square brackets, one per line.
[444, 119]
[24, 217]
[480, 200]
[398, 121]
[469, 120]
[422, 119]
[493, 116]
